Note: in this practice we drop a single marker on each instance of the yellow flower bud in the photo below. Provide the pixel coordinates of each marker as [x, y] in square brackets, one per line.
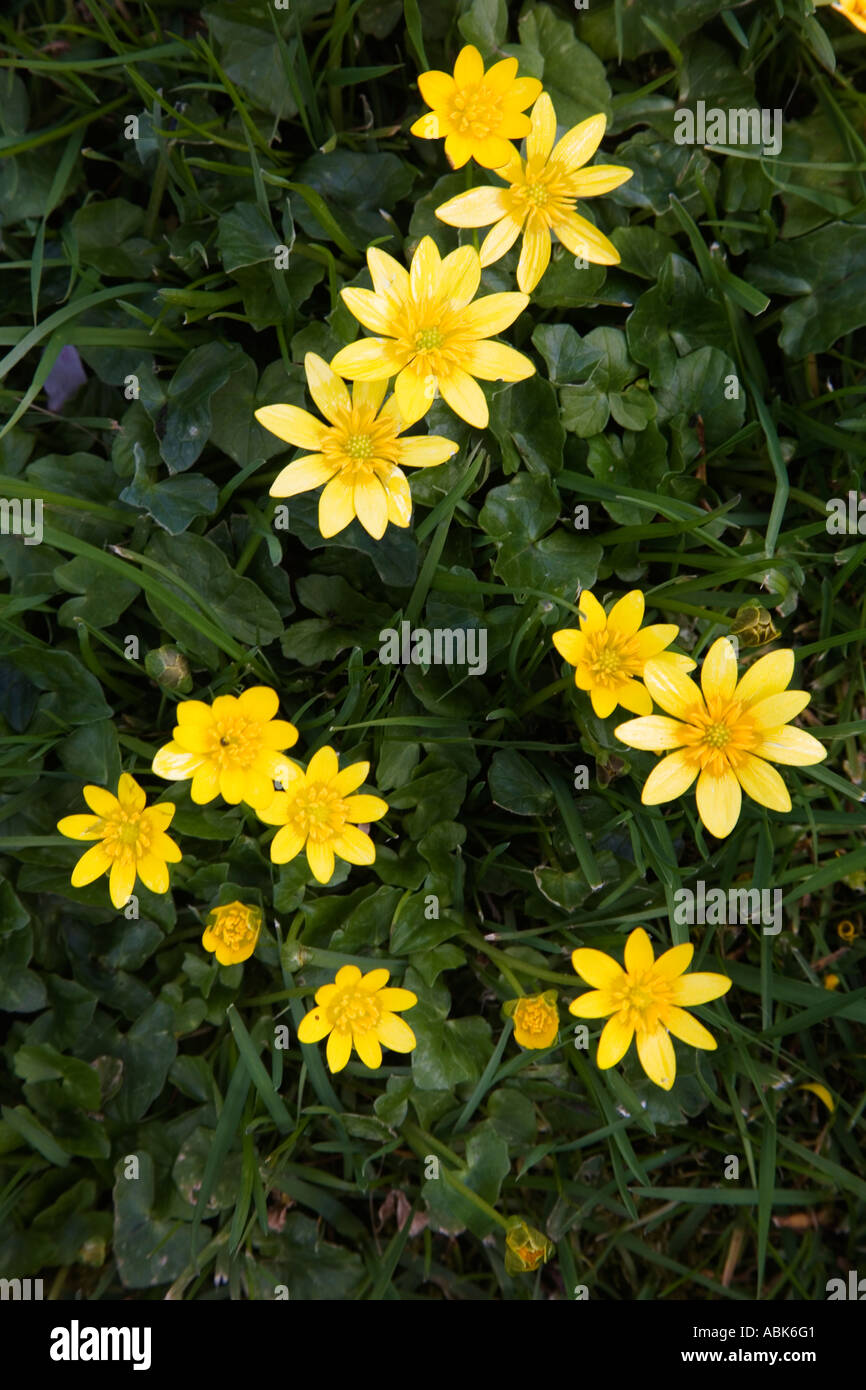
[232, 932]
[525, 1248]
[536, 1019]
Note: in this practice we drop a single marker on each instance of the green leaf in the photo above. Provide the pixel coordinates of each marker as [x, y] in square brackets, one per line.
[572, 74]
[181, 410]
[149, 1247]
[827, 269]
[516, 786]
[174, 503]
[246, 237]
[485, 1168]
[105, 237]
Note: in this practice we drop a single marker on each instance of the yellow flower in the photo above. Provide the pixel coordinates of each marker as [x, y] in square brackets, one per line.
[645, 1000]
[230, 748]
[232, 932]
[855, 10]
[831, 981]
[317, 810]
[724, 735]
[436, 339]
[478, 112]
[536, 1019]
[609, 652]
[847, 930]
[358, 1009]
[540, 198]
[525, 1248]
[132, 840]
[358, 453]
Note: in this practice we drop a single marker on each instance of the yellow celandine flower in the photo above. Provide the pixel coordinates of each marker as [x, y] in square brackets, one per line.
[436, 338]
[536, 1019]
[724, 735]
[855, 10]
[610, 651]
[646, 1001]
[478, 112]
[831, 981]
[358, 1010]
[132, 840]
[317, 810]
[232, 932]
[525, 1247]
[358, 454]
[540, 198]
[231, 748]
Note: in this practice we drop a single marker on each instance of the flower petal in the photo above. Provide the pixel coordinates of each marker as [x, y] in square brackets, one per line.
[394, 999]
[627, 613]
[719, 671]
[368, 1047]
[638, 952]
[303, 475]
[570, 643]
[592, 616]
[121, 881]
[459, 278]
[103, 803]
[314, 1026]
[699, 988]
[320, 858]
[339, 1050]
[654, 732]
[469, 67]
[92, 863]
[768, 676]
[596, 967]
[153, 873]
[492, 314]
[635, 697]
[495, 362]
[615, 1041]
[350, 778]
[286, 844]
[370, 309]
[600, 178]
[365, 808]
[371, 507]
[583, 239]
[669, 779]
[436, 87]
[323, 766]
[499, 240]
[539, 141]
[426, 450]
[477, 208]
[415, 391]
[534, 255]
[657, 1057]
[354, 846]
[580, 143]
[336, 507]
[292, 424]
[688, 1029]
[326, 388]
[369, 359]
[792, 746]
[465, 397]
[780, 709]
[673, 962]
[389, 277]
[82, 827]
[596, 1003]
[719, 800]
[762, 782]
[395, 1033]
[672, 689]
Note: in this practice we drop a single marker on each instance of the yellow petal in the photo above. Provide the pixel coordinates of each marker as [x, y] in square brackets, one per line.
[580, 143]
[688, 1029]
[350, 778]
[458, 150]
[601, 178]
[336, 507]
[596, 1004]
[259, 702]
[652, 640]
[427, 127]
[627, 613]
[815, 1086]
[303, 475]
[657, 1057]
[592, 615]
[615, 1040]
[534, 255]
[502, 75]
[153, 873]
[323, 766]
[768, 676]
[166, 848]
[370, 309]
[314, 1026]
[477, 208]
[762, 782]
[780, 709]
[415, 390]
[320, 858]
[437, 88]
[82, 827]
[371, 507]
[583, 239]
[520, 92]
[539, 141]
[494, 151]
[389, 277]
[205, 784]
[368, 1047]
[369, 395]
[326, 389]
[91, 864]
[233, 784]
[669, 779]
[492, 314]
[354, 846]
[347, 975]
[292, 424]
[102, 803]
[286, 844]
[426, 450]
[570, 643]
[719, 800]
[598, 969]
[603, 700]
[499, 240]
[369, 359]
[395, 999]
[654, 732]
[339, 1050]
[362, 809]
[395, 1033]
[425, 270]
[130, 794]
[635, 697]
[121, 882]
[719, 671]
[672, 689]
[469, 67]
[494, 362]
[398, 498]
[792, 746]
[699, 988]
[673, 962]
[459, 278]
[465, 397]
[638, 952]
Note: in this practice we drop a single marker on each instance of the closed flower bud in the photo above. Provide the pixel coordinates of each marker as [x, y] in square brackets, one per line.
[169, 668]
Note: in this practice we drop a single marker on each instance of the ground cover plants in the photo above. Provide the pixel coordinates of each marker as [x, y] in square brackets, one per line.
[431, 687]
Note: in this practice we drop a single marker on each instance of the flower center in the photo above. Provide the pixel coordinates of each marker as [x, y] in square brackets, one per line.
[717, 736]
[476, 113]
[536, 193]
[607, 657]
[426, 339]
[359, 446]
[235, 743]
[318, 812]
[127, 835]
[643, 999]
[232, 928]
[533, 1018]
[355, 1010]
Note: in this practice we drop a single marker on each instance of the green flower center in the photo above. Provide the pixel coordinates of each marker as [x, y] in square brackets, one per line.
[359, 446]
[426, 339]
[717, 736]
[536, 193]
